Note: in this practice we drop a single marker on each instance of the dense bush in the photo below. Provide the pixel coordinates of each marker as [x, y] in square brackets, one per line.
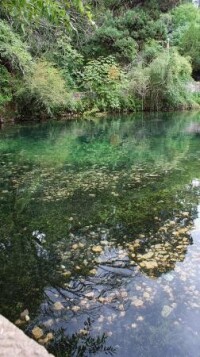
[5, 86]
[69, 60]
[184, 15]
[111, 38]
[186, 32]
[150, 51]
[163, 84]
[103, 80]
[124, 35]
[190, 44]
[43, 91]
[168, 75]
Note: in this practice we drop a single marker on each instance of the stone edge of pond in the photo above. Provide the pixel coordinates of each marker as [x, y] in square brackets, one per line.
[14, 342]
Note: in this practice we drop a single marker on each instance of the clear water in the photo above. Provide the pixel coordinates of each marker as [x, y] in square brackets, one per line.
[100, 234]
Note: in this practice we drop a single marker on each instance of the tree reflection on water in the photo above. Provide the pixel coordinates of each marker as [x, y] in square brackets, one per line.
[80, 344]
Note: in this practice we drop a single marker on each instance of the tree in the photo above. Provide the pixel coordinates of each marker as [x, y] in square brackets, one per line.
[190, 45]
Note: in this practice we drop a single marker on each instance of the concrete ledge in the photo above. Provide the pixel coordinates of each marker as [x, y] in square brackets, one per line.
[14, 343]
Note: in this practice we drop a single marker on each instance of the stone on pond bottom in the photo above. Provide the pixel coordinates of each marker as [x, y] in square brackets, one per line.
[37, 332]
[149, 264]
[166, 311]
[97, 249]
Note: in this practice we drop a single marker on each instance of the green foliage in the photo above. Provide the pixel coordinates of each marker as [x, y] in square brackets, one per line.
[55, 11]
[190, 44]
[102, 78]
[151, 51]
[159, 5]
[111, 38]
[183, 17]
[68, 59]
[5, 86]
[138, 82]
[125, 34]
[184, 14]
[163, 84]
[168, 75]
[13, 52]
[44, 89]
[120, 62]
[142, 27]
[166, 5]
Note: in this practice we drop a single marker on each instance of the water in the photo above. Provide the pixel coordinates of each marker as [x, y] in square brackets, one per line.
[100, 234]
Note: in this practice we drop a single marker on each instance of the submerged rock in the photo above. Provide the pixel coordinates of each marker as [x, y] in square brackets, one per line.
[134, 325]
[20, 322]
[168, 277]
[137, 303]
[93, 271]
[58, 306]
[37, 333]
[166, 311]
[148, 255]
[97, 249]
[67, 273]
[47, 339]
[149, 264]
[76, 308]
[75, 246]
[25, 315]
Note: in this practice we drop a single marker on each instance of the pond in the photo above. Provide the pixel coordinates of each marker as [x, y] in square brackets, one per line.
[100, 234]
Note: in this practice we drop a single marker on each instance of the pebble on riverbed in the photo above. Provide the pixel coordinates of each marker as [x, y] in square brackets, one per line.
[171, 247]
[49, 337]
[97, 249]
[24, 318]
[37, 333]
[58, 306]
[137, 303]
[166, 311]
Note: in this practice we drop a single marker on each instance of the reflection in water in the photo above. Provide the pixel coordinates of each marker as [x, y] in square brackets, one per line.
[100, 236]
[81, 343]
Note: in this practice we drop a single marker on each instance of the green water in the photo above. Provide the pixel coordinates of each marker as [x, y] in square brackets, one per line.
[100, 234]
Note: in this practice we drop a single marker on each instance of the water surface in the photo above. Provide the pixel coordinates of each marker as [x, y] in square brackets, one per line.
[100, 234]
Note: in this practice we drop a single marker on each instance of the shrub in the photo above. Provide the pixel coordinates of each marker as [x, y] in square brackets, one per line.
[190, 44]
[138, 83]
[184, 14]
[168, 75]
[162, 85]
[5, 86]
[112, 37]
[44, 88]
[102, 78]
[69, 60]
[151, 51]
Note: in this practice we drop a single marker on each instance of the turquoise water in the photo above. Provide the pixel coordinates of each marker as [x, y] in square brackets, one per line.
[99, 234]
